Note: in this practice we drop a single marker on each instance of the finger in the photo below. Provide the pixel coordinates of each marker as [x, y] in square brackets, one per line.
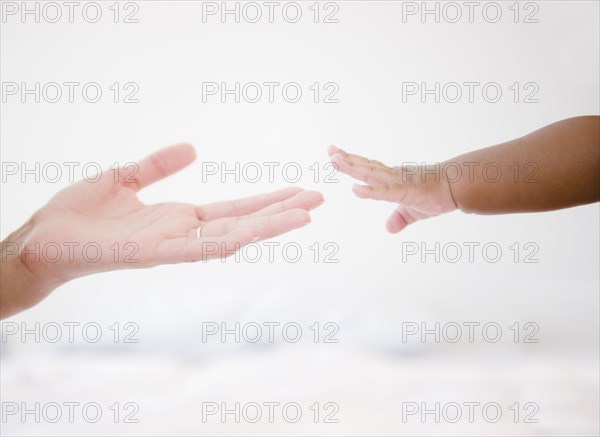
[179, 250]
[267, 226]
[333, 150]
[398, 220]
[389, 192]
[369, 173]
[158, 166]
[248, 205]
[304, 200]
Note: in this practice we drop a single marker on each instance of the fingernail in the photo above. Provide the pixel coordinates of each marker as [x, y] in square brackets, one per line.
[321, 198]
[338, 160]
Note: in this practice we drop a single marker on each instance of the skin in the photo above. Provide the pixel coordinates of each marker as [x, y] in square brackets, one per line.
[555, 167]
[108, 213]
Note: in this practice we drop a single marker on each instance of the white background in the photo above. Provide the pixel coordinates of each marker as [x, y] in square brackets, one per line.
[370, 292]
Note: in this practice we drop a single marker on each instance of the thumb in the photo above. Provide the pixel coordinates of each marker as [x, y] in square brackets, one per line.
[399, 219]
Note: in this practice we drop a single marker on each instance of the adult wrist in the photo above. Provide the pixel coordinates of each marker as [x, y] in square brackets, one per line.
[23, 282]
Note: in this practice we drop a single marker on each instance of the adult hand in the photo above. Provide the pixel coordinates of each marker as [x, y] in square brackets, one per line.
[92, 227]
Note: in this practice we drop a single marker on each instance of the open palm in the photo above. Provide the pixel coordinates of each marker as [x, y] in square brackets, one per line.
[98, 226]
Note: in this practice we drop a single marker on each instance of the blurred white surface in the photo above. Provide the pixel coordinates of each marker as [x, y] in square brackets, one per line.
[368, 388]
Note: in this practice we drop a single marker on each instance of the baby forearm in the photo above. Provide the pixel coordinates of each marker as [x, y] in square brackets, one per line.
[555, 167]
